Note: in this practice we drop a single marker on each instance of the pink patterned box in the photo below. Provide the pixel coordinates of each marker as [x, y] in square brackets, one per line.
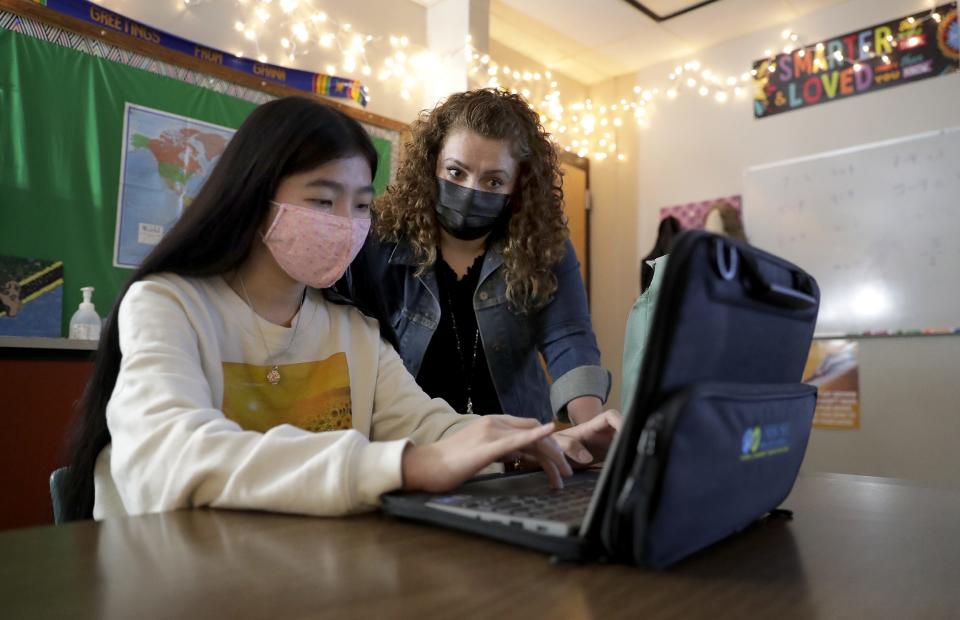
[692, 215]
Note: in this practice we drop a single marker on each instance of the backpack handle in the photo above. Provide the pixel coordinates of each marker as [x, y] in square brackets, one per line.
[728, 259]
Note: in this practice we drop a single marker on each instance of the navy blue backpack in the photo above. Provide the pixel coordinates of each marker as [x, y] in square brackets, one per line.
[720, 421]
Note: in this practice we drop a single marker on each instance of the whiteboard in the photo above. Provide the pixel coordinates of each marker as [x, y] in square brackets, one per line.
[877, 225]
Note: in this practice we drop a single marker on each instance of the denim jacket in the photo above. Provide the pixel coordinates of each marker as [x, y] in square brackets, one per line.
[561, 330]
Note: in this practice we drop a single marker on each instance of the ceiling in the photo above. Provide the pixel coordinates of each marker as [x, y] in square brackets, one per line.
[594, 40]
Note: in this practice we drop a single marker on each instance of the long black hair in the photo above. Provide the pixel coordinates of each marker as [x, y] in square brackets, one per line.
[214, 236]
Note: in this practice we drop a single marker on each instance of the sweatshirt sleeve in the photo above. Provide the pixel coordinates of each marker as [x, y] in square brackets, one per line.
[402, 409]
[171, 448]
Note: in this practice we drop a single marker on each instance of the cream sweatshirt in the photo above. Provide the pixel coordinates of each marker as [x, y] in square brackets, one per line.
[195, 422]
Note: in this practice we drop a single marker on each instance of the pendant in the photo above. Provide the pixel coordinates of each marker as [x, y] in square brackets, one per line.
[469, 406]
[274, 375]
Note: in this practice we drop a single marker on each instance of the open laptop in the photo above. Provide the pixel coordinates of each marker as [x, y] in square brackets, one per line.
[519, 508]
[724, 311]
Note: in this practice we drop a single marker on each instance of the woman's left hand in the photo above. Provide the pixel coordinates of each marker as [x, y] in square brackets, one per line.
[588, 443]
[549, 454]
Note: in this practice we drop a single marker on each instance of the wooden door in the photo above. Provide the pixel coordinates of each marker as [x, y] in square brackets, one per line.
[576, 208]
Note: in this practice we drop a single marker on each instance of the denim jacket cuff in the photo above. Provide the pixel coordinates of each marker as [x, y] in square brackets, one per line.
[581, 381]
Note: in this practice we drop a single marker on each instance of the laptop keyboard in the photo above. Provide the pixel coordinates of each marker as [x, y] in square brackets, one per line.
[566, 505]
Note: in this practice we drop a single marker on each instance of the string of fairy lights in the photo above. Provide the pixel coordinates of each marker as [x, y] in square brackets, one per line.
[588, 128]
[584, 127]
[302, 28]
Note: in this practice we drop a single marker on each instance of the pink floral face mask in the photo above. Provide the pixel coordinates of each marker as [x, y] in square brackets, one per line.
[313, 246]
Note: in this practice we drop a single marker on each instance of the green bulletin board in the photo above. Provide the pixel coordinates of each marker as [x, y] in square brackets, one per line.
[61, 141]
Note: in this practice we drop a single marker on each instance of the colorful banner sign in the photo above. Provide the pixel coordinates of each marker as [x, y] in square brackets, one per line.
[905, 50]
[834, 367]
[320, 84]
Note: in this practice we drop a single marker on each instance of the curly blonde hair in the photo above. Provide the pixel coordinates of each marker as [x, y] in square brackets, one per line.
[535, 240]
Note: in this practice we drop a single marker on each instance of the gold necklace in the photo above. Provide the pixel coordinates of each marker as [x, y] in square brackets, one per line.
[273, 376]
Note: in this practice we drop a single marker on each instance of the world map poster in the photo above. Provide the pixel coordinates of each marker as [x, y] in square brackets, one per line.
[165, 160]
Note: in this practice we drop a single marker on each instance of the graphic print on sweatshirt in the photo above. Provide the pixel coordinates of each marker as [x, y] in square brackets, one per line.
[314, 396]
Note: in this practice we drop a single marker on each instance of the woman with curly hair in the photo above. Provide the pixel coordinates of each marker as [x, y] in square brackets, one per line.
[473, 267]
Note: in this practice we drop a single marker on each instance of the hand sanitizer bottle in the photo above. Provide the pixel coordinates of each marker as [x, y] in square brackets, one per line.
[85, 323]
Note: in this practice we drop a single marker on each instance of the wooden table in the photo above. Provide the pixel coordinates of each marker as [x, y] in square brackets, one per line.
[858, 548]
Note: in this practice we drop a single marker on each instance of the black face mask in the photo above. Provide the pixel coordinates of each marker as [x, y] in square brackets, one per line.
[468, 213]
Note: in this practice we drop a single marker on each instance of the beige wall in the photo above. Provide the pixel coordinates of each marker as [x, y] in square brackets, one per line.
[614, 277]
[697, 149]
